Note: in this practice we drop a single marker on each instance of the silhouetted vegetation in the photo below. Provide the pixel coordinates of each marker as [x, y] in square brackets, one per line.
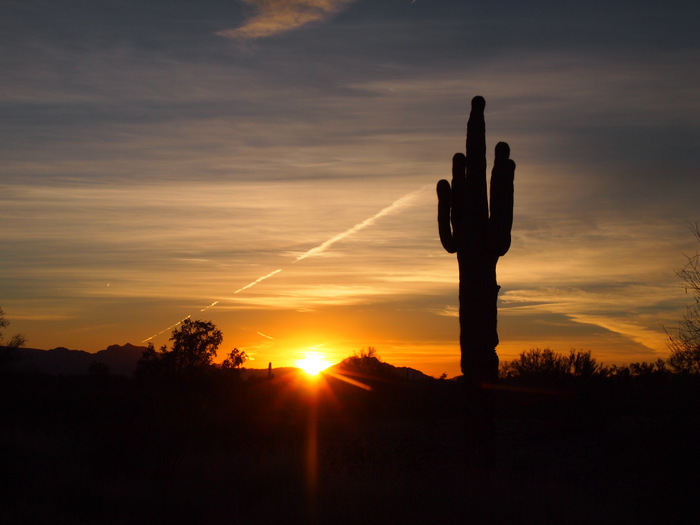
[194, 347]
[547, 365]
[8, 349]
[685, 343]
[656, 369]
[235, 359]
[583, 444]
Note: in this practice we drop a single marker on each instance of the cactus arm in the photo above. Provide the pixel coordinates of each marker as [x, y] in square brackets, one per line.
[501, 220]
[444, 202]
[452, 205]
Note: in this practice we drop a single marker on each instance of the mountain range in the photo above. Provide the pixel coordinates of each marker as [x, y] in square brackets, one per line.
[123, 359]
[118, 359]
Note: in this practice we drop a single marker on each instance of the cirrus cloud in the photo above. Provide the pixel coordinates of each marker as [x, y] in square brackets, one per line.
[278, 16]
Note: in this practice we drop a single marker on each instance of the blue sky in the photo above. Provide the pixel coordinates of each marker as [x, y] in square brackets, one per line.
[157, 157]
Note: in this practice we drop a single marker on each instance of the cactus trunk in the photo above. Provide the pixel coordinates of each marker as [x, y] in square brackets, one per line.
[479, 238]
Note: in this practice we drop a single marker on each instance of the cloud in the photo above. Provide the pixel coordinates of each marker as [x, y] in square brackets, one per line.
[278, 16]
[615, 309]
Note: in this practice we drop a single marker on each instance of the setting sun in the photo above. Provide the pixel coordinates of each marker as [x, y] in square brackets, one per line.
[312, 364]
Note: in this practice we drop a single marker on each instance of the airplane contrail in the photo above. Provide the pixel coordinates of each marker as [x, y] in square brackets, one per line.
[256, 281]
[165, 330]
[395, 206]
[212, 305]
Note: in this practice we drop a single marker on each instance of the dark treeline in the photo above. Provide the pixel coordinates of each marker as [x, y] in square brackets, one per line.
[545, 364]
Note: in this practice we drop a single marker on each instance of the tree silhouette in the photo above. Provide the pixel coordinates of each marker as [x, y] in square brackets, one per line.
[685, 345]
[8, 350]
[194, 347]
[235, 359]
[582, 364]
[195, 344]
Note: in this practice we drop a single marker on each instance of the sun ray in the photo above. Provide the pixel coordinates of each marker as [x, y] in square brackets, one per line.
[349, 380]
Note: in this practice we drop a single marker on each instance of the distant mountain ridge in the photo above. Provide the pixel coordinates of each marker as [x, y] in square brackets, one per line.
[119, 360]
[123, 359]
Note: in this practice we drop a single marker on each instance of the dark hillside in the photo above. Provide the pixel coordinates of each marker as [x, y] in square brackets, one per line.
[214, 448]
[115, 359]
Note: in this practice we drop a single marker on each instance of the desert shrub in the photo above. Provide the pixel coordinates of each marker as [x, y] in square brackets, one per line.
[656, 369]
[539, 363]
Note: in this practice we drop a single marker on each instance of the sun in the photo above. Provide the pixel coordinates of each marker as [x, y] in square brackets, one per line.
[312, 364]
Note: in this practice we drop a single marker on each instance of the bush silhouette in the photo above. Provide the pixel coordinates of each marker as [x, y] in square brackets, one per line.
[546, 364]
[537, 363]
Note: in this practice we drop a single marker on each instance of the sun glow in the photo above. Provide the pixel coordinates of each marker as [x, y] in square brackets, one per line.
[312, 364]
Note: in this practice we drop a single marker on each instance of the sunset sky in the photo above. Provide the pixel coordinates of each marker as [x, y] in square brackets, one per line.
[270, 165]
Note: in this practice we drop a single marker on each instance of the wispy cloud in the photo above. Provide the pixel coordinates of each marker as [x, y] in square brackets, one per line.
[278, 16]
[631, 310]
[323, 294]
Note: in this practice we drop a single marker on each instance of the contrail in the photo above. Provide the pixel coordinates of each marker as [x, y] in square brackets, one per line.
[212, 305]
[256, 281]
[395, 206]
[168, 328]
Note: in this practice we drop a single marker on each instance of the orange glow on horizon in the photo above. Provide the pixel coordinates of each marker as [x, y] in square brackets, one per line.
[313, 363]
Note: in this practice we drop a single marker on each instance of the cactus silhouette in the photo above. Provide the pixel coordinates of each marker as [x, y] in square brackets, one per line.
[479, 238]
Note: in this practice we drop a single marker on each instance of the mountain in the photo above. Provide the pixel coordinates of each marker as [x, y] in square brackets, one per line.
[120, 360]
[411, 374]
[371, 366]
[59, 361]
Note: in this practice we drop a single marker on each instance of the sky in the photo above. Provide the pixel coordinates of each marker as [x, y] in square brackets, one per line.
[270, 166]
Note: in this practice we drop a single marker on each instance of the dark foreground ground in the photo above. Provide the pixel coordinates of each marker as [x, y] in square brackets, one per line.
[215, 450]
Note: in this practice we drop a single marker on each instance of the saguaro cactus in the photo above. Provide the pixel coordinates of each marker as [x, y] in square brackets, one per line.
[479, 238]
